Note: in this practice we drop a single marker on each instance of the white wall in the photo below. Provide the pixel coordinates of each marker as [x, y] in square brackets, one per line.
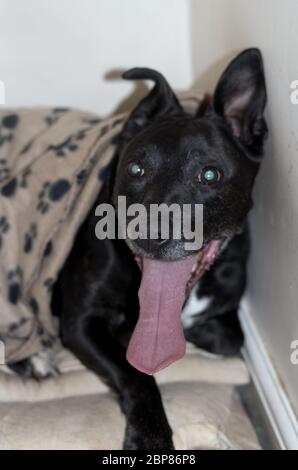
[220, 28]
[57, 52]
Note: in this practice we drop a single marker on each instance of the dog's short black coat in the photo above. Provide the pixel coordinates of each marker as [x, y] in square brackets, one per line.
[96, 293]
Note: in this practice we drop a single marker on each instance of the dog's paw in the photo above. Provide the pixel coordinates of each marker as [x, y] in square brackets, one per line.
[43, 365]
[21, 368]
[134, 440]
[142, 436]
[217, 336]
[40, 366]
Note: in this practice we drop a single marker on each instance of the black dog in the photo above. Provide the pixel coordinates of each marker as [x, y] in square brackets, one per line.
[167, 155]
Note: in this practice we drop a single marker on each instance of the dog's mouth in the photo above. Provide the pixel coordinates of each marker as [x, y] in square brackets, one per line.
[158, 338]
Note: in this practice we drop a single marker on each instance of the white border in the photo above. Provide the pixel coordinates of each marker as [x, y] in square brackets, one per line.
[274, 399]
[2, 92]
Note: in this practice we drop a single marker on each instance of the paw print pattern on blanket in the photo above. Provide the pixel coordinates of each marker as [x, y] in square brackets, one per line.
[15, 325]
[50, 166]
[69, 145]
[48, 249]
[4, 227]
[34, 305]
[51, 192]
[6, 138]
[30, 236]
[10, 188]
[51, 118]
[4, 170]
[14, 280]
[81, 176]
[24, 178]
[49, 284]
[55, 115]
[66, 147]
[9, 122]
[92, 121]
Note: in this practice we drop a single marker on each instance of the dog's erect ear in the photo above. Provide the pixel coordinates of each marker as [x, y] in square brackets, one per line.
[240, 98]
[160, 100]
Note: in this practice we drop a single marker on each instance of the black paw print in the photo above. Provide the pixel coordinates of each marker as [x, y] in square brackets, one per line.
[8, 123]
[6, 138]
[56, 114]
[4, 170]
[43, 206]
[4, 227]
[49, 341]
[24, 177]
[50, 120]
[14, 280]
[40, 330]
[92, 121]
[34, 305]
[70, 144]
[51, 192]
[48, 249]
[15, 325]
[103, 131]
[10, 188]
[30, 236]
[64, 148]
[49, 283]
[81, 134]
[81, 176]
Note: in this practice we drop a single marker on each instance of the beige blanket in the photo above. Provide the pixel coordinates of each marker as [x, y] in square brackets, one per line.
[51, 169]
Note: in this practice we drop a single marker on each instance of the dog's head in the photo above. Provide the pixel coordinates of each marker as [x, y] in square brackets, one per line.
[169, 156]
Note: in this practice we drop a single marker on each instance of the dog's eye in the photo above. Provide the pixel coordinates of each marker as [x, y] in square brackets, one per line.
[135, 169]
[209, 175]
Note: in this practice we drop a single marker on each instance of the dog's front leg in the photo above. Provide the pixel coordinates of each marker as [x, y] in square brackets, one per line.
[147, 426]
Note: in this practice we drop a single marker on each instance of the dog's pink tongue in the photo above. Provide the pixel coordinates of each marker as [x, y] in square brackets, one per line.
[158, 338]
